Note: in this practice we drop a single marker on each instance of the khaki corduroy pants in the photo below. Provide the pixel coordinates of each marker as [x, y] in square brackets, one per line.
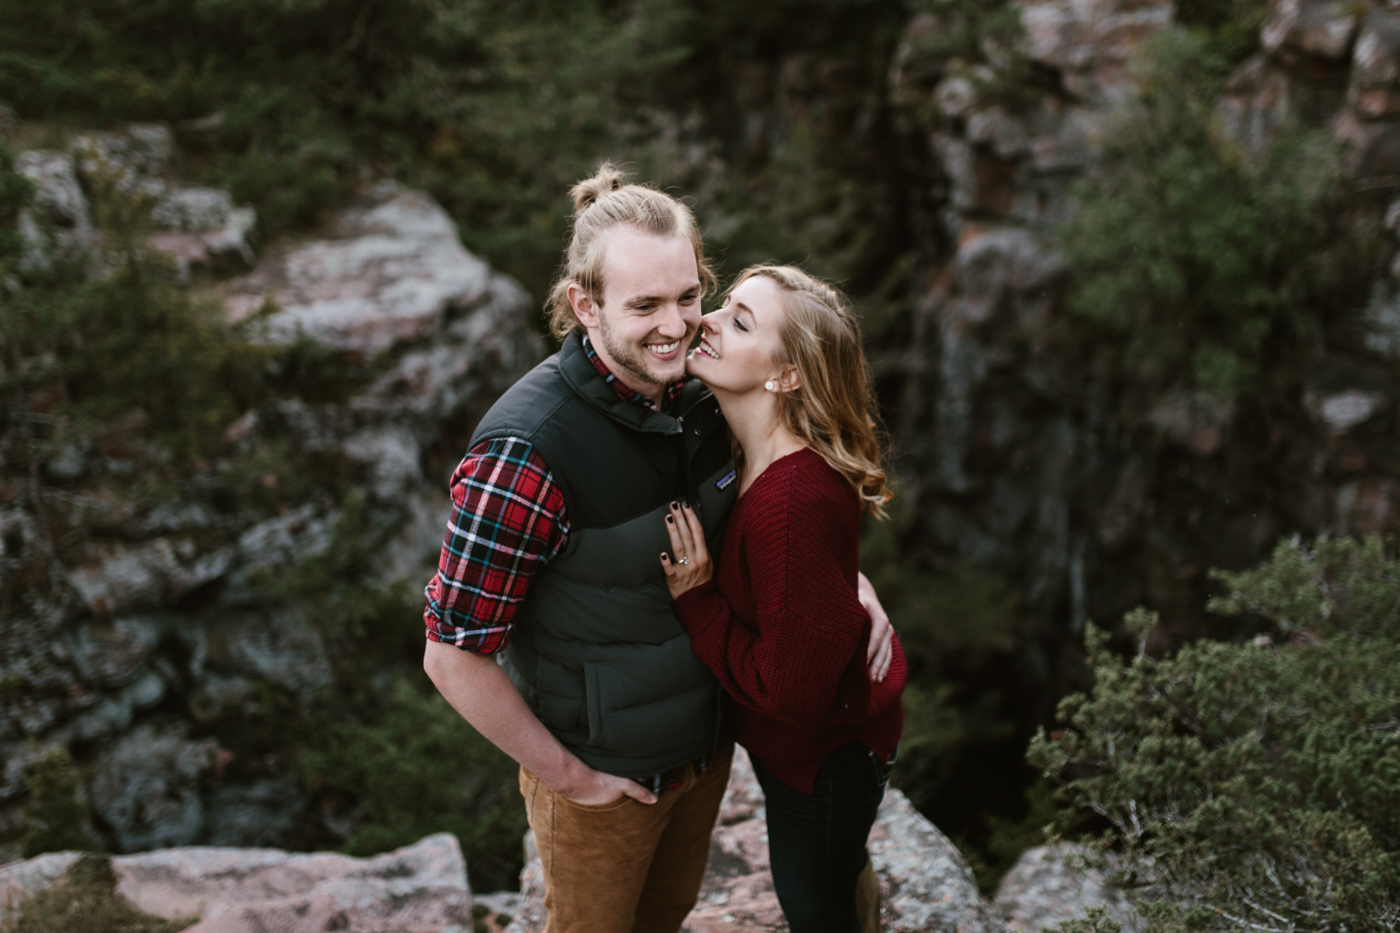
[626, 866]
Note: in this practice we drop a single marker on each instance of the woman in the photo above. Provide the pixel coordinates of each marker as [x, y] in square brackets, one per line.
[780, 625]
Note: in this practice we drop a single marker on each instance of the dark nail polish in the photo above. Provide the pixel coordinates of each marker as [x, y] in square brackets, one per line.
[670, 520]
[675, 505]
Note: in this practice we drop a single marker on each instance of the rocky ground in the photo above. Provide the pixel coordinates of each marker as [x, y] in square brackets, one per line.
[418, 889]
[926, 885]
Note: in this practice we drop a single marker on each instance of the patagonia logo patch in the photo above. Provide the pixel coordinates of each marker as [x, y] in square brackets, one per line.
[726, 479]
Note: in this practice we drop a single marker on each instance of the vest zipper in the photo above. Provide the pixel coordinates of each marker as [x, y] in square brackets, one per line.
[692, 491]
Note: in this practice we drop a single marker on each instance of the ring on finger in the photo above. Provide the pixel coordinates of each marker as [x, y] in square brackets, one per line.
[683, 560]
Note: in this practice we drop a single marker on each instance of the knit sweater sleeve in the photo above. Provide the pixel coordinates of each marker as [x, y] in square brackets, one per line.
[799, 547]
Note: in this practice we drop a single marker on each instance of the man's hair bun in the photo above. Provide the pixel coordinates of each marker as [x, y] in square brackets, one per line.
[609, 178]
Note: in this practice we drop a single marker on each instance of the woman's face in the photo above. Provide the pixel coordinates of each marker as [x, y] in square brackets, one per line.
[739, 343]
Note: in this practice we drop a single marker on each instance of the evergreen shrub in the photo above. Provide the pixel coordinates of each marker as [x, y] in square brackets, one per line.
[97, 347]
[414, 767]
[16, 191]
[1195, 261]
[56, 812]
[967, 37]
[1254, 786]
[1232, 26]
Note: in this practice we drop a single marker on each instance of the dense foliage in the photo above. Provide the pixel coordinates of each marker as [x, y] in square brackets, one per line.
[1253, 786]
[1196, 260]
[979, 40]
[495, 107]
[1230, 26]
[417, 769]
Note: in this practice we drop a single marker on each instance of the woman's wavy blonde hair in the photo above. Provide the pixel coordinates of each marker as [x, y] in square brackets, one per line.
[600, 204]
[833, 409]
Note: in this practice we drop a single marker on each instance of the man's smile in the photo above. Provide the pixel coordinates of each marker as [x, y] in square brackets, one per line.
[663, 350]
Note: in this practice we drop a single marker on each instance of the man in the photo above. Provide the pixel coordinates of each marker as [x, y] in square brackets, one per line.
[551, 559]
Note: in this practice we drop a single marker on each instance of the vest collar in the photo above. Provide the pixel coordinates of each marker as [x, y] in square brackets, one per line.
[583, 377]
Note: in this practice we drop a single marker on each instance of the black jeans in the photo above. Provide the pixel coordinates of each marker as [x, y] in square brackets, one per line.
[817, 843]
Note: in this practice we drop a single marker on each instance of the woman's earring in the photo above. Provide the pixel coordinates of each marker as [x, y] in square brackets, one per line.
[770, 385]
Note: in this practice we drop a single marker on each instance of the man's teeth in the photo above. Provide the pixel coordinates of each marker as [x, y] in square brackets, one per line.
[664, 348]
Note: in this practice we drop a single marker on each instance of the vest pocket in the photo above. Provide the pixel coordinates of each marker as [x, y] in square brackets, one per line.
[557, 699]
[558, 713]
[651, 727]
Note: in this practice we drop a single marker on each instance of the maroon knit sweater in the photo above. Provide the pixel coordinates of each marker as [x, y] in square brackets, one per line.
[782, 629]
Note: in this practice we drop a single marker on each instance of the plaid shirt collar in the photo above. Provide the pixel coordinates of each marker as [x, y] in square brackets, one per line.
[625, 392]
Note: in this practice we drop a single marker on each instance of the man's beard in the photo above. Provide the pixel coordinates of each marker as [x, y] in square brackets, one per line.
[634, 362]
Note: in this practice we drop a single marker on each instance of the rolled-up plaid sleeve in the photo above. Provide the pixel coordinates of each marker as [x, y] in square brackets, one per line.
[507, 522]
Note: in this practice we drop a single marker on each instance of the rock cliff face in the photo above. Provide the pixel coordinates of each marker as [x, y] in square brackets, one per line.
[164, 630]
[1013, 461]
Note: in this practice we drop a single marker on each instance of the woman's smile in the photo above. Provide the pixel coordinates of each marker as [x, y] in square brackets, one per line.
[707, 349]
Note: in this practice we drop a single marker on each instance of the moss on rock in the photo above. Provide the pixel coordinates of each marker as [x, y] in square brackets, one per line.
[86, 899]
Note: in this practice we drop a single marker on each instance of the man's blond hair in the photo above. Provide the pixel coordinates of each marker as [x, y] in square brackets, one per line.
[600, 204]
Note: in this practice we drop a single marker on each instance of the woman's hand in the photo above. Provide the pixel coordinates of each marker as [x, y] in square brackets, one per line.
[691, 564]
[880, 651]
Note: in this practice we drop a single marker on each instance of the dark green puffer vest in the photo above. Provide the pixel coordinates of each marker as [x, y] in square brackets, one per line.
[596, 651]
